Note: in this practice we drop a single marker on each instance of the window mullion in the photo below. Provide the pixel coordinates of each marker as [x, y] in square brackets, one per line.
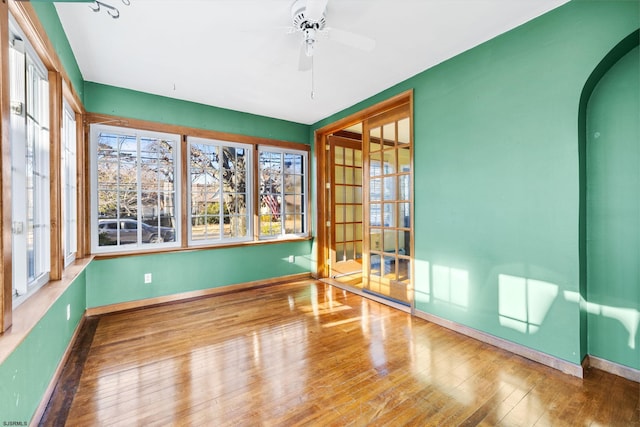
[138, 191]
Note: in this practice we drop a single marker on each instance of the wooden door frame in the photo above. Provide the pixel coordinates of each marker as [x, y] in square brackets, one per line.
[323, 204]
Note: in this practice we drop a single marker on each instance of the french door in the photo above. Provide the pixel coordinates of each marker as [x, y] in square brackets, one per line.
[366, 201]
[388, 224]
[347, 209]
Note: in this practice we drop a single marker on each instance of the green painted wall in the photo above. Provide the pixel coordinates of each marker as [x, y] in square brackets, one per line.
[129, 103]
[26, 373]
[496, 155]
[613, 214]
[497, 210]
[122, 279]
[49, 17]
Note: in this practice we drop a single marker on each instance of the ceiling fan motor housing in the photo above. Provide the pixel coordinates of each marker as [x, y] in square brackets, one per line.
[300, 20]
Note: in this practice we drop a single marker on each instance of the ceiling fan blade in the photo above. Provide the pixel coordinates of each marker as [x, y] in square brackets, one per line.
[315, 9]
[304, 62]
[351, 39]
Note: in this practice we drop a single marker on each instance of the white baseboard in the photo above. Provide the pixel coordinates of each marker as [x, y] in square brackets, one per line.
[613, 368]
[147, 302]
[535, 355]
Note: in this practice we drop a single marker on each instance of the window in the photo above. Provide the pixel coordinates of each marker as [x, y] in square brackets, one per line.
[69, 185]
[235, 192]
[282, 192]
[134, 191]
[219, 191]
[29, 93]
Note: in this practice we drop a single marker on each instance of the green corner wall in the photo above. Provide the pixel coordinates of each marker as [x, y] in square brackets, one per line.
[497, 211]
[51, 22]
[497, 227]
[121, 102]
[26, 373]
[118, 280]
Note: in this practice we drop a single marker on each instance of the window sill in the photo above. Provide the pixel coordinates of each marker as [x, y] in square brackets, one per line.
[288, 239]
[30, 312]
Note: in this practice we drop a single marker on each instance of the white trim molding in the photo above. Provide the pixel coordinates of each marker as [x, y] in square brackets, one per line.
[613, 368]
[526, 352]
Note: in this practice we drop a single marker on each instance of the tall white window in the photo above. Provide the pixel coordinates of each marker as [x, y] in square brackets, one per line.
[282, 192]
[219, 191]
[69, 184]
[29, 93]
[134, 189]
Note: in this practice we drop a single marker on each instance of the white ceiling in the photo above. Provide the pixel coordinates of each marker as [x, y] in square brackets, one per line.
[237, 54]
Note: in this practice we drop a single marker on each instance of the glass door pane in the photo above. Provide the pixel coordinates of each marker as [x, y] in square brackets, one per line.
[346, 201]
[387, 142]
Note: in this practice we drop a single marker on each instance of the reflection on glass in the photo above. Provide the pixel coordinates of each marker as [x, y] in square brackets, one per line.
[390, 188]
[405, 215]
[375, 239]
[348, 156]
[404, 159]
[357, 198]
[404, 270]
[391, 236]
[389, 133]
[390, 215]
[349, 232]
[358, 158]
[375, 165]
[375, 134]
[339, 193]
[358, 213]
[349, 214]
[375, 214]
[405, 188]
[404, 131]
[389, 161]
[375, 189]
[350, 252]
[403, 242]
[339, 156]
[339, 175]
[349, 194]
[374, 265]
[357, 177]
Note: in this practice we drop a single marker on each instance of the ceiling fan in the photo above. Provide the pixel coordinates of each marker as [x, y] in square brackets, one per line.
[309, 19]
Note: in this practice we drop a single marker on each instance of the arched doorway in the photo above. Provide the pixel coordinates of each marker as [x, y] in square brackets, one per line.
[611, 201]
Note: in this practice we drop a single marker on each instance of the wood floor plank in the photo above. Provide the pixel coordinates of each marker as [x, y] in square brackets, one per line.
[311, 354]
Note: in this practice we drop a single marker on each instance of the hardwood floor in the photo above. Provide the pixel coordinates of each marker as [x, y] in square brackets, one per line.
[311, 354]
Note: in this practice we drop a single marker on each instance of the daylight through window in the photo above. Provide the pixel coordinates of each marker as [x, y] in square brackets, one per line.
[135, 201]
[219, 191]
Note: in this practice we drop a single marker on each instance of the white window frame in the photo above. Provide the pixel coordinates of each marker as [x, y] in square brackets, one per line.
[69, 183]
[31, 86]
[220, 239]
[305, 193]
[96, 129]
